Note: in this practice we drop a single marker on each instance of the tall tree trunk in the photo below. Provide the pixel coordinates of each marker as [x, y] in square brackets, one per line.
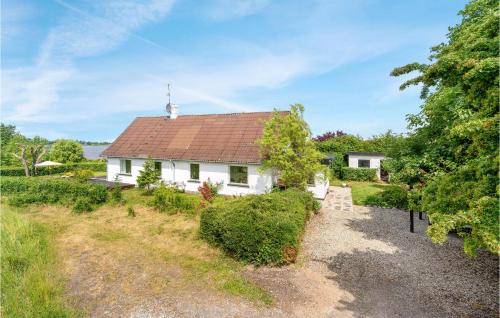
[37, 152]
[22, 158]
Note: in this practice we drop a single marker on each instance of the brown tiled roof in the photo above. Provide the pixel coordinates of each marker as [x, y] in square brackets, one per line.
[214, 138]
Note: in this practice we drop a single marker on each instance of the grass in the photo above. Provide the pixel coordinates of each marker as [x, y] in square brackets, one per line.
[108, 235]
[362, 189]
[223, 273]
[31, 283]
[149, 255]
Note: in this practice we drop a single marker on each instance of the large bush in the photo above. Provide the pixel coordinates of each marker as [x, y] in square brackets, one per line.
[27, 190]
[168, 199]
[19, 171]
[259, 229]
[451, 154]
[390, 197]
[66, 150]
[359, 174]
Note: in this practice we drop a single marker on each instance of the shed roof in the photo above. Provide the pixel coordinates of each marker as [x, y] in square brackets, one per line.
[214, 138]
[373, 154]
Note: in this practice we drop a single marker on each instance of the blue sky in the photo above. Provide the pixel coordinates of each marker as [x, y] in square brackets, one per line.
[85, 69]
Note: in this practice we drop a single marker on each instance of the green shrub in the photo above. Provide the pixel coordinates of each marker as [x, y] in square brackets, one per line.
[390, 197]
[83, 205]
[116, 193]
[23, 199]
[130, 211]
[167, 199]
[83, 175]
[28, 190]
[41, 171]
[359, 174]
[260, 229]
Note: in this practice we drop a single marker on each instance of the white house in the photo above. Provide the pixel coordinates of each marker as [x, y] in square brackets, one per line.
[367, 160]
[191, 149]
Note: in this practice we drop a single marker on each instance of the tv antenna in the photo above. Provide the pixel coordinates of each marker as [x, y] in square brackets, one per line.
[169, 105]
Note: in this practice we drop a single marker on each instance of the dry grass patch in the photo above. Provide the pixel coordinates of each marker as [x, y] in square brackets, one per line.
[111, 258]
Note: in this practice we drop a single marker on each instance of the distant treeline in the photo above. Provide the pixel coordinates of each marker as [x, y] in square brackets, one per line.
[86, 143]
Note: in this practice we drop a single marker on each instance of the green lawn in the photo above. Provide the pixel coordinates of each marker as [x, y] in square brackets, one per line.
[362, 189]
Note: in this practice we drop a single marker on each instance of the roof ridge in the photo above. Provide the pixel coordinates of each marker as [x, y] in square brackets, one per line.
[220, 114]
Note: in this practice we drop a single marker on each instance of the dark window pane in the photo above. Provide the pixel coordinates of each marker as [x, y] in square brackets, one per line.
[363, 163]
[195, 171]
[157, 165]
[125, 166]
[238, 174]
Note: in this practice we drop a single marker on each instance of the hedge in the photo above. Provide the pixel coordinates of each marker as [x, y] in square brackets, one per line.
[359, 174]
[390, 197]
[19, 171]
[28, 190]
[259, 229]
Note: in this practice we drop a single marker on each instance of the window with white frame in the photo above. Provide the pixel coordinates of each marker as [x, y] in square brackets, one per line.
[238, 174]
[363, 163]
[194, 171]
[125, 166]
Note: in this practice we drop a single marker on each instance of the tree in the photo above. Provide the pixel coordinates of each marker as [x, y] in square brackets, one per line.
[329, 135]
[148, 175]
[8, 136]
[66, 150]
[287, 148]
[451, 158]
[30, 152]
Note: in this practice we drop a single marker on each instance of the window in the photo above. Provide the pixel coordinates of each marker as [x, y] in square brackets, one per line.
[362, 163]
[238, 174]
[194, 171]
[125, 166]
[158, 166]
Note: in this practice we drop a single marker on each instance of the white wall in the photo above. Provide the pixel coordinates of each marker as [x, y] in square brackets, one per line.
[320, 187]
[179, 172]
[374, 161]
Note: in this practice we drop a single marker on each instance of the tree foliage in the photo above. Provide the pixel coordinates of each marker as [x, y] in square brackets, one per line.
[337, 145]
[66, 150]
[288, 150]
[9, 137]
[451, 156]
[148, 176]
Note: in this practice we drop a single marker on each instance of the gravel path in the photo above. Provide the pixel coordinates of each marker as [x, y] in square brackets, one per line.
[383, 270]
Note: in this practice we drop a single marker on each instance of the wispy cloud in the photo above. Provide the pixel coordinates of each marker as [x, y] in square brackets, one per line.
[103, 27]
[79, 34]
[231, 9]
[12, 20]
[68, 82]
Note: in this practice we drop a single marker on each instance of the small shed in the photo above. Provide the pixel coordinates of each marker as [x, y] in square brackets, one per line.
[367, 160]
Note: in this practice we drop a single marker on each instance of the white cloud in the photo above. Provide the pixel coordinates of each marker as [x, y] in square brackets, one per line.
[14, 15]
[103, 27]
[32, 93]
[230, 9]
[216, 72]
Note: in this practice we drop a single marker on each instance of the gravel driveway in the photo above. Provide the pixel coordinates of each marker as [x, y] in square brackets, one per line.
[383, 270]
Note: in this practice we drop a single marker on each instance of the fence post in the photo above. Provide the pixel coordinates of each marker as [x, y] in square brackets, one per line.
[411, 221]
